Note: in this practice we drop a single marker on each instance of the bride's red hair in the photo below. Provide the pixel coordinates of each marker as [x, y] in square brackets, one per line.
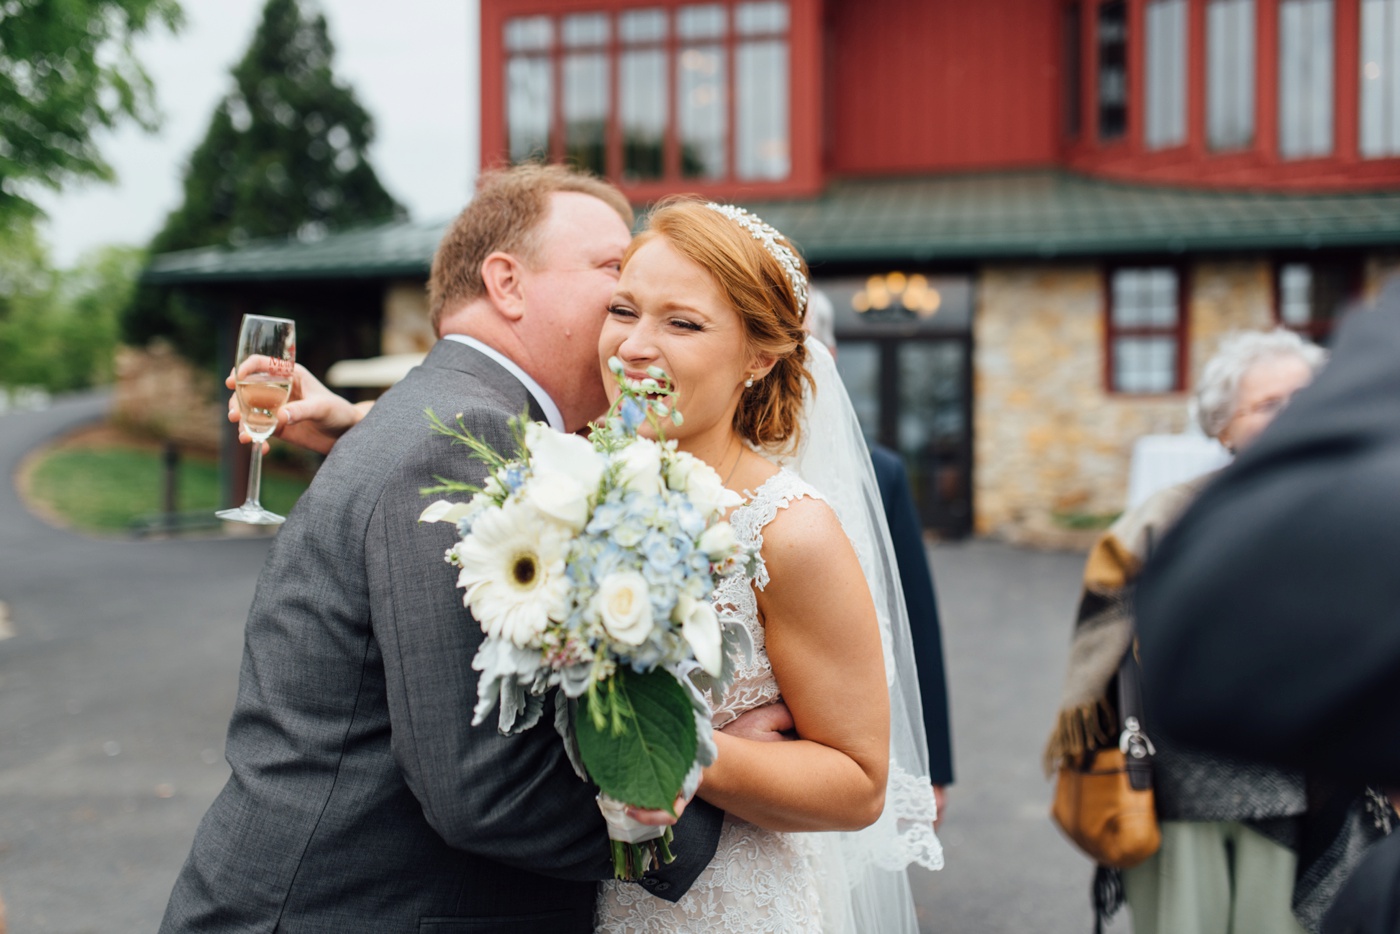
[753, 282]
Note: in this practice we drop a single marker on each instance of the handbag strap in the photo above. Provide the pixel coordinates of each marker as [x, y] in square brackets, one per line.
[1130, 686]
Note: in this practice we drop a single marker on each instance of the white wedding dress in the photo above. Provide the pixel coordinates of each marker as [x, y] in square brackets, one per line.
[759, 880]
[765, 882]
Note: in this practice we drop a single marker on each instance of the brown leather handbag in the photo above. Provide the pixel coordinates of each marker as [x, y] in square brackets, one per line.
[1104, 803]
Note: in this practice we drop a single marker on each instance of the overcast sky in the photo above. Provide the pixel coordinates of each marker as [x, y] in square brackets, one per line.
[412, 65]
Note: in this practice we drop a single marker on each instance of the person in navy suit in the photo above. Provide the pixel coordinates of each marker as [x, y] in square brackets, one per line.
[915, 577]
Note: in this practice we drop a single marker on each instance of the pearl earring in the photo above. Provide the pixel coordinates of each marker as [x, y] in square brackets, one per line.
[748, 383]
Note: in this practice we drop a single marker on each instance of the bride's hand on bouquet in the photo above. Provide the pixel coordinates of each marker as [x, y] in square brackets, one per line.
[770, 724]
[313, 418]
[659, 818]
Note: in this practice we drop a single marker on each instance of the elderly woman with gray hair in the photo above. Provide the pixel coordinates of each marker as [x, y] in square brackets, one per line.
[1244, 848]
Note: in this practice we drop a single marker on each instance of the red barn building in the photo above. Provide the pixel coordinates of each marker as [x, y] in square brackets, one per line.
[1036, 218]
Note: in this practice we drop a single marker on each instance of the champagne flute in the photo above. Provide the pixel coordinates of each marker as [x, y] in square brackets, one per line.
[263, 382]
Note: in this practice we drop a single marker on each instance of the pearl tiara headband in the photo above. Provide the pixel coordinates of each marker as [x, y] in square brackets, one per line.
[768, 236]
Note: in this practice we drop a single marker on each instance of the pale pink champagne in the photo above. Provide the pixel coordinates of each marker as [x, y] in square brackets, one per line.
[260, 398]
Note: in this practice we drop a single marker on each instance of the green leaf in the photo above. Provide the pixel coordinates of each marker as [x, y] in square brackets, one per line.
[647, 743]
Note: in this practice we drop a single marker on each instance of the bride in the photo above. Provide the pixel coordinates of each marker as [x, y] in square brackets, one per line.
[819, 829]
[715, 298]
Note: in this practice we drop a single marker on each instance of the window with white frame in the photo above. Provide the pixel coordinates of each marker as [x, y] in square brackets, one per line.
[529, 86]
[584, 88]
[1146, 330]
[1166, 74]
[1229, 74]
[1311, 295]
[1305, 66]
[1380, 78]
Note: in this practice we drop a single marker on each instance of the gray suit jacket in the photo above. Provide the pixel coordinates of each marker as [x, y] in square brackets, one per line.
[361, 799]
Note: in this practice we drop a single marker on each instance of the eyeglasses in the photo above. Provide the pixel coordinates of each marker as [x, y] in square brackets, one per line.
[1270, 406]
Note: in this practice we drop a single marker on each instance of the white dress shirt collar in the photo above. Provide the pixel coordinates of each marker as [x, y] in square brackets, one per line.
[551, 411]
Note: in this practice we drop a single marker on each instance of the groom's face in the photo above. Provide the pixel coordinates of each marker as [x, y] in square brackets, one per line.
[579, 247]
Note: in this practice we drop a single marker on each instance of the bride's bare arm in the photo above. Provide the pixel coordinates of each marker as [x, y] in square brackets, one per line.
[824, 644]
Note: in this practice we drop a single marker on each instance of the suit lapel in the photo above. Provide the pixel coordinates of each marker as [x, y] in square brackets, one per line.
[454, 355]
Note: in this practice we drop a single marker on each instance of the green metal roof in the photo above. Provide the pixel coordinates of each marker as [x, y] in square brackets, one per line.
[402, 248]
[968, 217]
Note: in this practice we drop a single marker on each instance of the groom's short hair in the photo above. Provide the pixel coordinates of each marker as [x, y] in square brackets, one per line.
[504, 217]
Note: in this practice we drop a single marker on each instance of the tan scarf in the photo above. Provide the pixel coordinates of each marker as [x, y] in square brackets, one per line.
[1103, 627]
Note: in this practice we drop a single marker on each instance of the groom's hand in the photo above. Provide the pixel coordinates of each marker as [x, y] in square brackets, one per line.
[770, 724]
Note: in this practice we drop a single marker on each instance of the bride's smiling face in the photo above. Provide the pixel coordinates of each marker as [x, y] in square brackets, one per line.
[668, 312]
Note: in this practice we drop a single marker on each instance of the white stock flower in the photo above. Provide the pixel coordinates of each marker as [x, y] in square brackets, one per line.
[513, 572]
[718, 541]
[700, 628]
[624, 605]
[639, 466]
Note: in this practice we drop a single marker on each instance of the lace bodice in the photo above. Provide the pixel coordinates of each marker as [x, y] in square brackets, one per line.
[760, 881]
[736, 598]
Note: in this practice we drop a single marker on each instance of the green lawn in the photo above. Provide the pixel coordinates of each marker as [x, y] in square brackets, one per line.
[105, 489]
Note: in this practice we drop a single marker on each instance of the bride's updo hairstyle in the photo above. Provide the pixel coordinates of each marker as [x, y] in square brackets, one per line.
[756, 286]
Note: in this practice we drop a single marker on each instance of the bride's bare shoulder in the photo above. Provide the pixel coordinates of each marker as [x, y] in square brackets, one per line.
[806, 533]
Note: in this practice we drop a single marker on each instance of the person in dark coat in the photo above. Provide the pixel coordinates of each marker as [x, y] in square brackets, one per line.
[1269, 618]
[915, 578]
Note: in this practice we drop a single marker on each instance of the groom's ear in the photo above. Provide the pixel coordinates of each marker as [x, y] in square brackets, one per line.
[501, 275]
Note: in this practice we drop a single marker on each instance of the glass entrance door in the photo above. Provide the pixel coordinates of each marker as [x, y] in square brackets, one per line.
[913, 396]
[905, 354]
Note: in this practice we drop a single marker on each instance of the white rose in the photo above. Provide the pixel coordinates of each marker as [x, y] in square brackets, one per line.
[555, 452]
[700, 628]
[708, 492]
[624, 605]
[639, 466]
[679, 468]
[560, 497]
[718, 541]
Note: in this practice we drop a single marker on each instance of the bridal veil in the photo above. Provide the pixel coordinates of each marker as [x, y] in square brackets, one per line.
[865, 886]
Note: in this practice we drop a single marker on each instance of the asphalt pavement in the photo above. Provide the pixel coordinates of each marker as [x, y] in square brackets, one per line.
[119, 676]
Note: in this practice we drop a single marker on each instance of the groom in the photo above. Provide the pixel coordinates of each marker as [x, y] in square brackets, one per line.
[361, 799]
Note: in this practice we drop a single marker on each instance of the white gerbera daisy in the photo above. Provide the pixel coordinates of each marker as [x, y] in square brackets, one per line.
[513, 572]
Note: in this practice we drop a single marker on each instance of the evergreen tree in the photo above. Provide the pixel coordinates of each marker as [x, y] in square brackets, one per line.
[285, 154]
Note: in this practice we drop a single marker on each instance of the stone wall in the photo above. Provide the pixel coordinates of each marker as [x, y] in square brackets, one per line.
[1380, 267]
[158, 392]
[407, 327]
[1051, 447]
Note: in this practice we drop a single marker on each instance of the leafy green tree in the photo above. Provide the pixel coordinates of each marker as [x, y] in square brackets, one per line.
[285, 154]
[67, 70]
[58, 329]
[91, 297]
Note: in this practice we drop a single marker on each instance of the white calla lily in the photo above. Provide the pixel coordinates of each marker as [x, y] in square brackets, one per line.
[700, 628]
[718, 542]
[445, 511]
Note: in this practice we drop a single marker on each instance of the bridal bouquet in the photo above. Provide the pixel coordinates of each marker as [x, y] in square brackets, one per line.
[589, 564]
